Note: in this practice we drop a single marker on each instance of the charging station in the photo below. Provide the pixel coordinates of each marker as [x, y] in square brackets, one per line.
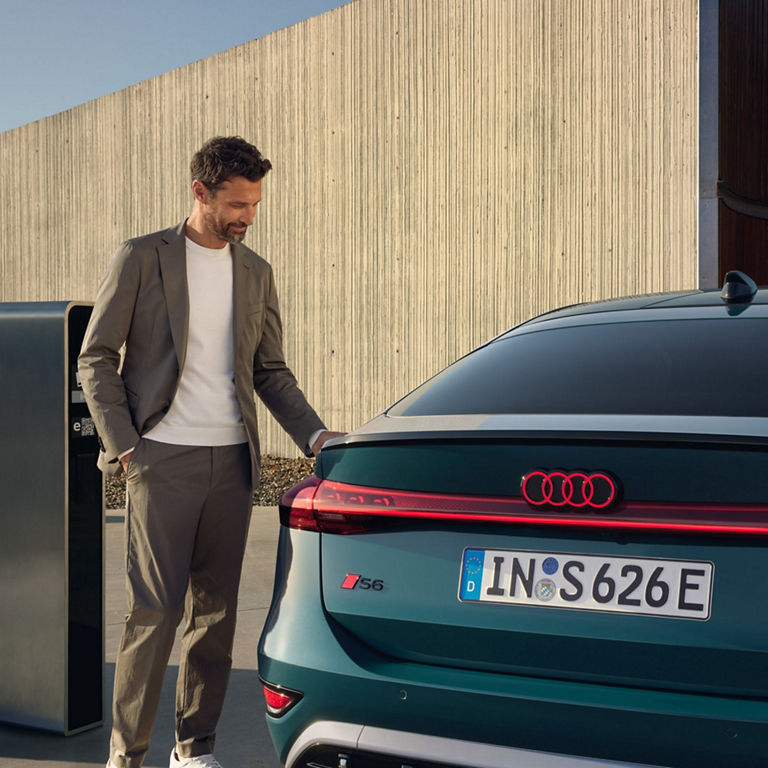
[51, 524]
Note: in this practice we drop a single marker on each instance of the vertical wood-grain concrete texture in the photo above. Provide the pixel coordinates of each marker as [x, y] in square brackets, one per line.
[443, 169]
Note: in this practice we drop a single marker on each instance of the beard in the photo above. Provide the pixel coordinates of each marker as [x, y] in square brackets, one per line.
[224, 231]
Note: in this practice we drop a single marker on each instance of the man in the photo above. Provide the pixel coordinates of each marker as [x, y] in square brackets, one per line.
[197, 312]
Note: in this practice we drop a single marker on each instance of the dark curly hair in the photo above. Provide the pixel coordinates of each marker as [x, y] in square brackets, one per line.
[224, 157]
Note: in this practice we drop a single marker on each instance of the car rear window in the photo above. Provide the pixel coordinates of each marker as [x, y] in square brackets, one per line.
[716, 367]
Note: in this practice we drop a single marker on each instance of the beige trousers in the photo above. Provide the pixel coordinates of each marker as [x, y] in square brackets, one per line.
[187, 516]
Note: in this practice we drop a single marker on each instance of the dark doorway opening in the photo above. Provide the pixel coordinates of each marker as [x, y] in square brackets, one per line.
[743, 144]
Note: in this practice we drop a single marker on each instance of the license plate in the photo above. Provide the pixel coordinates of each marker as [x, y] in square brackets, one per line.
[649, 586]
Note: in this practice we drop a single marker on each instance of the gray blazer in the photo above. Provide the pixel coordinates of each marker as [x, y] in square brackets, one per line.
[143, 303]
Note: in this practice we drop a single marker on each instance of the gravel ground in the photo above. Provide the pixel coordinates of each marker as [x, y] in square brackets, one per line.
[277, 476]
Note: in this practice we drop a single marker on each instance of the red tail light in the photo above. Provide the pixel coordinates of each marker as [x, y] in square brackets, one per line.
[332, 507]
[279, 700]
[302, 508]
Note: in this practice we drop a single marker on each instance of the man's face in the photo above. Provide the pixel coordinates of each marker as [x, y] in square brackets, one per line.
[229, 211]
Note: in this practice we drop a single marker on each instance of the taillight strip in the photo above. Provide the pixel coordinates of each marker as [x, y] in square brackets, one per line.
[335, 507]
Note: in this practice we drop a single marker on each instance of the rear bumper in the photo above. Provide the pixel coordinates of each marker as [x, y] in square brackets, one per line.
[447, 710]
[329, 744]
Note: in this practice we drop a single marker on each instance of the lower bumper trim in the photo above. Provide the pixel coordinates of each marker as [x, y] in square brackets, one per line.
[328, 744]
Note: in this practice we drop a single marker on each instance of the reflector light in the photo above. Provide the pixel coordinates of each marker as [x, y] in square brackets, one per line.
[279, 700]
[331, 507]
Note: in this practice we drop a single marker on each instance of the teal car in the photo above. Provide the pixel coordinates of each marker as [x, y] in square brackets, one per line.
[553, 554]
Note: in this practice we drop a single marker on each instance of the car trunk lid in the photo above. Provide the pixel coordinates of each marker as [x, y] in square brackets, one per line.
[439, 515]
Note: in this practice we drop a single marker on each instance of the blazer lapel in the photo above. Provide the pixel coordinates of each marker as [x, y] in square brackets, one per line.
[173, 273]
[240, 277]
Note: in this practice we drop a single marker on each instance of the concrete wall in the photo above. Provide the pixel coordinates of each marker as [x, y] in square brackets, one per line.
[443, 169]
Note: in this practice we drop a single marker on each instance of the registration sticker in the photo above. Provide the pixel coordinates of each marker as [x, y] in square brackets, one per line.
[648, 586]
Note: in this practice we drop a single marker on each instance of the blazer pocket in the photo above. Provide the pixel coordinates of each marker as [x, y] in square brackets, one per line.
[253, 324]
[257, 308]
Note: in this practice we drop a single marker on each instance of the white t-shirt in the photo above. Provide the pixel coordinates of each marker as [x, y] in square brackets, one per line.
[204, 410]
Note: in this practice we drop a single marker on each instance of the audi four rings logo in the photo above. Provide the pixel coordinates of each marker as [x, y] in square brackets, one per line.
[576, 490]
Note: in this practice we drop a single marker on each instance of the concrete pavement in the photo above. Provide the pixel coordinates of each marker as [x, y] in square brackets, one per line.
[242, 739]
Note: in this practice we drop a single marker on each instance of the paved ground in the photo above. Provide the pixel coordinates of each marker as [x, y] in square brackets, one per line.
[242, 739]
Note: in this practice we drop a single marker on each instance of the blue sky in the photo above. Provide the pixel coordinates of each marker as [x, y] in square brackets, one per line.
[56, 54]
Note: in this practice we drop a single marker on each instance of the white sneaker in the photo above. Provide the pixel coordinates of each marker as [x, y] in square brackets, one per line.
[201, 761]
